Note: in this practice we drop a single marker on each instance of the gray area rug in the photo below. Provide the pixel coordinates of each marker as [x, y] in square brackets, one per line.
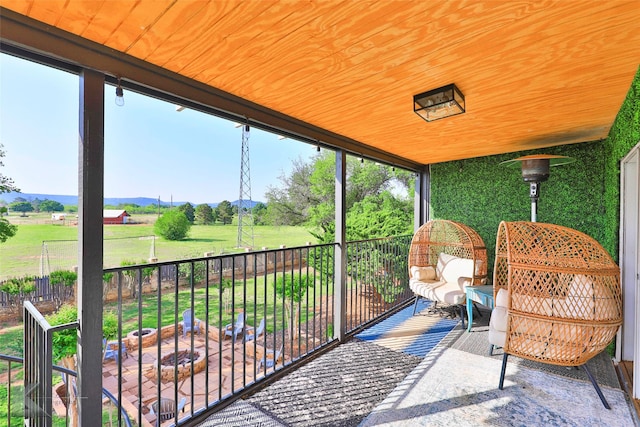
[476, 342]
[362, 383]
[530, 397]
[339, 388]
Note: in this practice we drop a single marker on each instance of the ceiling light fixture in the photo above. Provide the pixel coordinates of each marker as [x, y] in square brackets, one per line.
[119, 95]
[439, 103]
[535, 169]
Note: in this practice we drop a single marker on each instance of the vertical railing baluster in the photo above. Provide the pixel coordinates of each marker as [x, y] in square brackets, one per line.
[206, 336]
[221, 332]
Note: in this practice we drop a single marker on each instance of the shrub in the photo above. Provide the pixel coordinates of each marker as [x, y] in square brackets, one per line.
[172, 225]
[109, 325]
[16, 286]
[65, 341]
[63, 277]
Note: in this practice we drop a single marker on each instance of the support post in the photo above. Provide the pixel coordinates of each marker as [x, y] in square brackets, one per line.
[90, 236]
[422, 198]
[340, 267]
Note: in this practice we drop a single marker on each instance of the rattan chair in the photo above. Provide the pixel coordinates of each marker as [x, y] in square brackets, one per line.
[442, 244]
[562, 295]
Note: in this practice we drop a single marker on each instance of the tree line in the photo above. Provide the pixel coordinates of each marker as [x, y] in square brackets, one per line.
[379, 202]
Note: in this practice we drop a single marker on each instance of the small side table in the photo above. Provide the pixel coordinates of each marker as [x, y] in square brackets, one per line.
[480, 294]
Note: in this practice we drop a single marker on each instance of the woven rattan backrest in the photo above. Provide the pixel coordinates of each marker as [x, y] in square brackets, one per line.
[450, 237]
[565, 294]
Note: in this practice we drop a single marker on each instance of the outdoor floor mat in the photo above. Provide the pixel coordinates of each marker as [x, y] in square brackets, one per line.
[414, 335]
[339, 388]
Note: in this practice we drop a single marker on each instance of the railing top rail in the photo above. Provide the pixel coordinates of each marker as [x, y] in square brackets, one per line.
[33, 311]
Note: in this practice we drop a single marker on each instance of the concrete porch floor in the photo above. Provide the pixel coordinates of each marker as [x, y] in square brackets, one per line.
[379, 379]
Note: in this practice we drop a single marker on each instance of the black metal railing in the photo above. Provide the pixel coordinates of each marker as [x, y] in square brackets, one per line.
[254, 313]
[38, 354]
[377, 278]
[15, 394]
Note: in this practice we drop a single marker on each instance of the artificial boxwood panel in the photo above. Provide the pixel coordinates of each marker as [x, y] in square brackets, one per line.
[584, 195]
[623, 136]
[481, 192]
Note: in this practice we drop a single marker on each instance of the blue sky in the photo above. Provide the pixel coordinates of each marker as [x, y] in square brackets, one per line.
[151, 149]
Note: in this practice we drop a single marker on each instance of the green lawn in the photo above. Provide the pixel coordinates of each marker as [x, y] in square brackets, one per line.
[21, 255]
[257, 303]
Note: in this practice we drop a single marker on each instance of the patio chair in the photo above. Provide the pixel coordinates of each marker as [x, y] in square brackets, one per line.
[558, 296]
[251, 334]
[444, 258]
[233, 329]
[189, 323]
[270, 358]
[166, 409]
[111, 350]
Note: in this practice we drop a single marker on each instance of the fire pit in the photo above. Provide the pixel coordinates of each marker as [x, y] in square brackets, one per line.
[149, 337]
[184, 358]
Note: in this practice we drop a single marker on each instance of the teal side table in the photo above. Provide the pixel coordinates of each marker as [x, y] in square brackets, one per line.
[480, 294]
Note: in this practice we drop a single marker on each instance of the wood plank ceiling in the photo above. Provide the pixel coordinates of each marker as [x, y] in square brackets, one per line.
[534, 73]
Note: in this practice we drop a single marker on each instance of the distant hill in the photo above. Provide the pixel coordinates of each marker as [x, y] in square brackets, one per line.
[73, 200]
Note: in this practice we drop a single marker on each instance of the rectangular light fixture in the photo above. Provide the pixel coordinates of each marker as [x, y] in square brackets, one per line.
[439, 103]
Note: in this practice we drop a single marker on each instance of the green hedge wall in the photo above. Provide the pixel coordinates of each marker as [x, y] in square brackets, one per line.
[583, 195]
[624, 135]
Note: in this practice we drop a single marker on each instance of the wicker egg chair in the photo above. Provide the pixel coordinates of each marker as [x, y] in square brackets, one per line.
[454, 239]
[563, 299]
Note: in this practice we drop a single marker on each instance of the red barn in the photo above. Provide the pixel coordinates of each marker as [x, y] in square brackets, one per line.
[115, 216]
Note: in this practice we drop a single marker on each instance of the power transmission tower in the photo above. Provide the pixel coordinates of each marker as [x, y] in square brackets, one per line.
[245, 214]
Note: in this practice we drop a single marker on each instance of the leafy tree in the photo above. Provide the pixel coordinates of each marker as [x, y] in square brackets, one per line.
[172, 225]
[225, 212]
[36, 204]
[188, 211]
[307, 197]
[23, 207]
[293, 289]
[259, 213]
[289, 203]
[379, 215]
[204, 214]
[6, 183]
[51, 206]
[7, 229]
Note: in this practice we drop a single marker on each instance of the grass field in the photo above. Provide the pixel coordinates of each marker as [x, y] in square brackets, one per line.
[21, 254]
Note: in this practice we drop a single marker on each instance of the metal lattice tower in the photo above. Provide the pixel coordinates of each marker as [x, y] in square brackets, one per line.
[245, 214]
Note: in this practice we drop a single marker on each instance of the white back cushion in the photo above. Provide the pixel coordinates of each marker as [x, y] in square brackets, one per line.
[449, 268]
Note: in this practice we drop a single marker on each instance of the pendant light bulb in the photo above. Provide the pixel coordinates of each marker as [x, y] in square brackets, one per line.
[119, 95]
